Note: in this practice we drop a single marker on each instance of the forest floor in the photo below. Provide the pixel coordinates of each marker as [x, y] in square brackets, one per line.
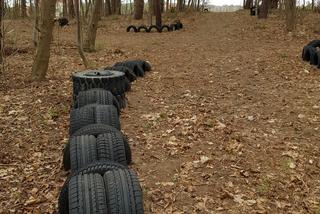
[226, 122]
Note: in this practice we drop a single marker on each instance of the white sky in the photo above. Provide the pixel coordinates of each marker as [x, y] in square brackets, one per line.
[225, 2]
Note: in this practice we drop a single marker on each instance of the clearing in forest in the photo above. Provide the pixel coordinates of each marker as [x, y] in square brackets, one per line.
[227, 121]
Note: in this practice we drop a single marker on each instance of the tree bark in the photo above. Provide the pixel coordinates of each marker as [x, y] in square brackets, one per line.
[290, 10]
[64, 8]
[71, 7]
[35, 32]
[157, 10]
[79, 41]
[23, 8]
[263, 14]
[248, 4]
[90, 39]
[1, 34]
[138, 9]
[41, 62]
[107, 7]
[179, 5]
[274, 4]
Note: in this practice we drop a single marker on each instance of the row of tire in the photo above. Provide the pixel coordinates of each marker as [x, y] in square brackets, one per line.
[98, 153]
[143, 28]
[311, 52]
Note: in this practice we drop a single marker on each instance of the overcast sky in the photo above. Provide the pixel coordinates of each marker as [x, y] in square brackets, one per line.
[225, 2]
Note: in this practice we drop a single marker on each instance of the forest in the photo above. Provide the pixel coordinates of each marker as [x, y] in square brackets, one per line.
[159, 106]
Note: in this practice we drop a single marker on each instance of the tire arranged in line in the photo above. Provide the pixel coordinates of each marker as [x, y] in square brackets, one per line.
[311, 53]
[176, 25]
[98, 153]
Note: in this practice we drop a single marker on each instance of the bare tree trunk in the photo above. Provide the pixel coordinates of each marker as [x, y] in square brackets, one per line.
[23, 8]
[41, 62]
[179, 5]
[264, 9]
[274, 4]
[248, 4]
[35, 32]
[108, 7]
[1, 34]
[79, 42]
[71, 7]
[312, 5]
[167, 5]
[90, 39]
[30, 8]
[138, 9]
[64, 8]
[157, 10]
[290, 10]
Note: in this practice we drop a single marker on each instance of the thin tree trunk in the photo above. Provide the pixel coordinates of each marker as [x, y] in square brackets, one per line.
[79, 42]
[23, 8]
[30, 8]
[157, 7]
[108, 7]
[249, 4]
[64, 8]
[71, 7]
[90, 39]
[35, 32]
[41, 62]
[1, 35]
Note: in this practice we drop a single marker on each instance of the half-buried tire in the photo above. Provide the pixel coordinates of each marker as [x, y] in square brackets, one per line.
[132, 27]
[131, 76]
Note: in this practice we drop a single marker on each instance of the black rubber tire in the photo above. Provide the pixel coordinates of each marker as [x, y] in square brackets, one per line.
[94, 114]
[124, 193]
[111, 147]
[83, 151]
[143, 27]
[95, 130]
[113, 81]
[66, 157]
[313, 56]
[318, 55]
[132, 27]
[179, 24]
[96, 96]
[122, 100]
[314, 43]
[137, 70]
[96, 167]
[128, 72]
[155, 27]
[87, 195]
[306, 53]
[173, 27]
[146, 66]
[165, 27]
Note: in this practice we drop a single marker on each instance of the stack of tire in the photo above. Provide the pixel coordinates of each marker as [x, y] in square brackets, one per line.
[98, 153]
[177, 25]
[311, 52]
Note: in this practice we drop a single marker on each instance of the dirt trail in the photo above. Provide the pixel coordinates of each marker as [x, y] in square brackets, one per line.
[227, 121]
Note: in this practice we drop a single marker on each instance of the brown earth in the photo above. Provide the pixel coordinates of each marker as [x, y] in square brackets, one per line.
[227, 122]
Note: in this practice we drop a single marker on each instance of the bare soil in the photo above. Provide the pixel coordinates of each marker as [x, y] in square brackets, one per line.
[226, 122]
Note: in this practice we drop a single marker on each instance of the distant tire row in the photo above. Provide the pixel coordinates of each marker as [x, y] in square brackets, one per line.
[98, 153]
[154, 28]
[311, 52]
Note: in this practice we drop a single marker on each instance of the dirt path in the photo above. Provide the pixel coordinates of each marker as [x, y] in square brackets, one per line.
[227, 122]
